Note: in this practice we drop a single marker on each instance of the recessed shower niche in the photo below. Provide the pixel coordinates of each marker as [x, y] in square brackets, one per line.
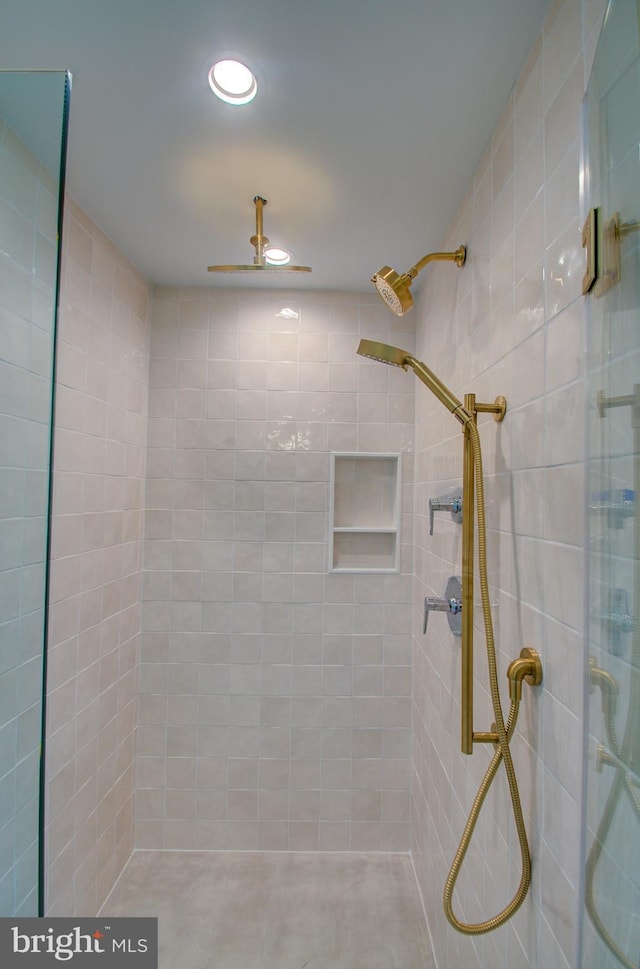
[364, 529]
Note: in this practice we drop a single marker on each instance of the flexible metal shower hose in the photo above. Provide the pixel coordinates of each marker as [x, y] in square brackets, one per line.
[503, 751]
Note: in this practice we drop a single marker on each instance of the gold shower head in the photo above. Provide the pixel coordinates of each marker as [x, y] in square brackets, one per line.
[259, 241]
[383, 353]
[394, 290]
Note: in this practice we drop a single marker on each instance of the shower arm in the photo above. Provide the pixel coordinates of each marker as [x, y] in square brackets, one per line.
[458, 257]
[259, 241]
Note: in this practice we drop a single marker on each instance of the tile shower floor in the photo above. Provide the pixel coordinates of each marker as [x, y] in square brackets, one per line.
[277, 910]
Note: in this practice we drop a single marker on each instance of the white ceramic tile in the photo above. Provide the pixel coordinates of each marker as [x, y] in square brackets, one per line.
[294, 546]
[107, 373]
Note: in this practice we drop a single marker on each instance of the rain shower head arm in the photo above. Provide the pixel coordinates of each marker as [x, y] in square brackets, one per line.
[259, 241]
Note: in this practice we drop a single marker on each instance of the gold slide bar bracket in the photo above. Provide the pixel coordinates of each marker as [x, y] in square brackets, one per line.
[468, 505]
[528, 666]
[498, 408]
[473, 407]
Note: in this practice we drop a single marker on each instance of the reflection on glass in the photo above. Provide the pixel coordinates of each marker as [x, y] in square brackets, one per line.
[611, 932]
[33, 109]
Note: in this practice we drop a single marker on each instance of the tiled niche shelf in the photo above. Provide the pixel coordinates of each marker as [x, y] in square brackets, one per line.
[364, 525]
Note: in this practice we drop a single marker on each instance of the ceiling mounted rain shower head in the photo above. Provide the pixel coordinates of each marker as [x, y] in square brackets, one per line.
[394, 290]
[260, 242]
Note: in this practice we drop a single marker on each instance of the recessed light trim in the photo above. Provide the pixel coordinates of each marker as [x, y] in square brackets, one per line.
[233, 82]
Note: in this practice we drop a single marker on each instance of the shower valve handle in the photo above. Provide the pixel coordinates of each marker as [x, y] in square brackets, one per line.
[451, 604]
[452, 503]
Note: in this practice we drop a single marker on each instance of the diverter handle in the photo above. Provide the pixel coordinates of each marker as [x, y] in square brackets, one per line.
[451, 604]
[452, 503]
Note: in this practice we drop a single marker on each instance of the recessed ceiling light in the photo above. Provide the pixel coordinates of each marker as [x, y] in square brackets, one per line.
[276, 256]
[232, 82]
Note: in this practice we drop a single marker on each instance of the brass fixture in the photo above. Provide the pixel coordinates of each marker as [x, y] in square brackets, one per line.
[384, 353]
[603, 250]
[260, 242]
[393, 289]
[471, 454]
[528, 666]
[589, 236]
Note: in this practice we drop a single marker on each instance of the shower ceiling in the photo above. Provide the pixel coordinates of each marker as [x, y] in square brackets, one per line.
[369, 121]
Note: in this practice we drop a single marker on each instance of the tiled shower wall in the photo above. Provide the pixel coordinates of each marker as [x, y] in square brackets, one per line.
[96, 591]
[274, 696]
[511, 322]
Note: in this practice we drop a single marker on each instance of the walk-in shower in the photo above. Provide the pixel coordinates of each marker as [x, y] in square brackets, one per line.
[527, 667]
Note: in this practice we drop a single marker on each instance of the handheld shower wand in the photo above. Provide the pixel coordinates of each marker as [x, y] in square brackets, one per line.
[384, 353]
[527, 666]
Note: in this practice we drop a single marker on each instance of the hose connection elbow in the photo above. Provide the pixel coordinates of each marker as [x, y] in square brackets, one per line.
[527, 667]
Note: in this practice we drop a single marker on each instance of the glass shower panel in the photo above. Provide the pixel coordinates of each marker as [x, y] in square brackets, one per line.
[611, 927]
[33, 112]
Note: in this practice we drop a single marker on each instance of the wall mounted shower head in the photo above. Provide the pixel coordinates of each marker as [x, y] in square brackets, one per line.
[394, 290]
[384, 353]
[260, 242]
